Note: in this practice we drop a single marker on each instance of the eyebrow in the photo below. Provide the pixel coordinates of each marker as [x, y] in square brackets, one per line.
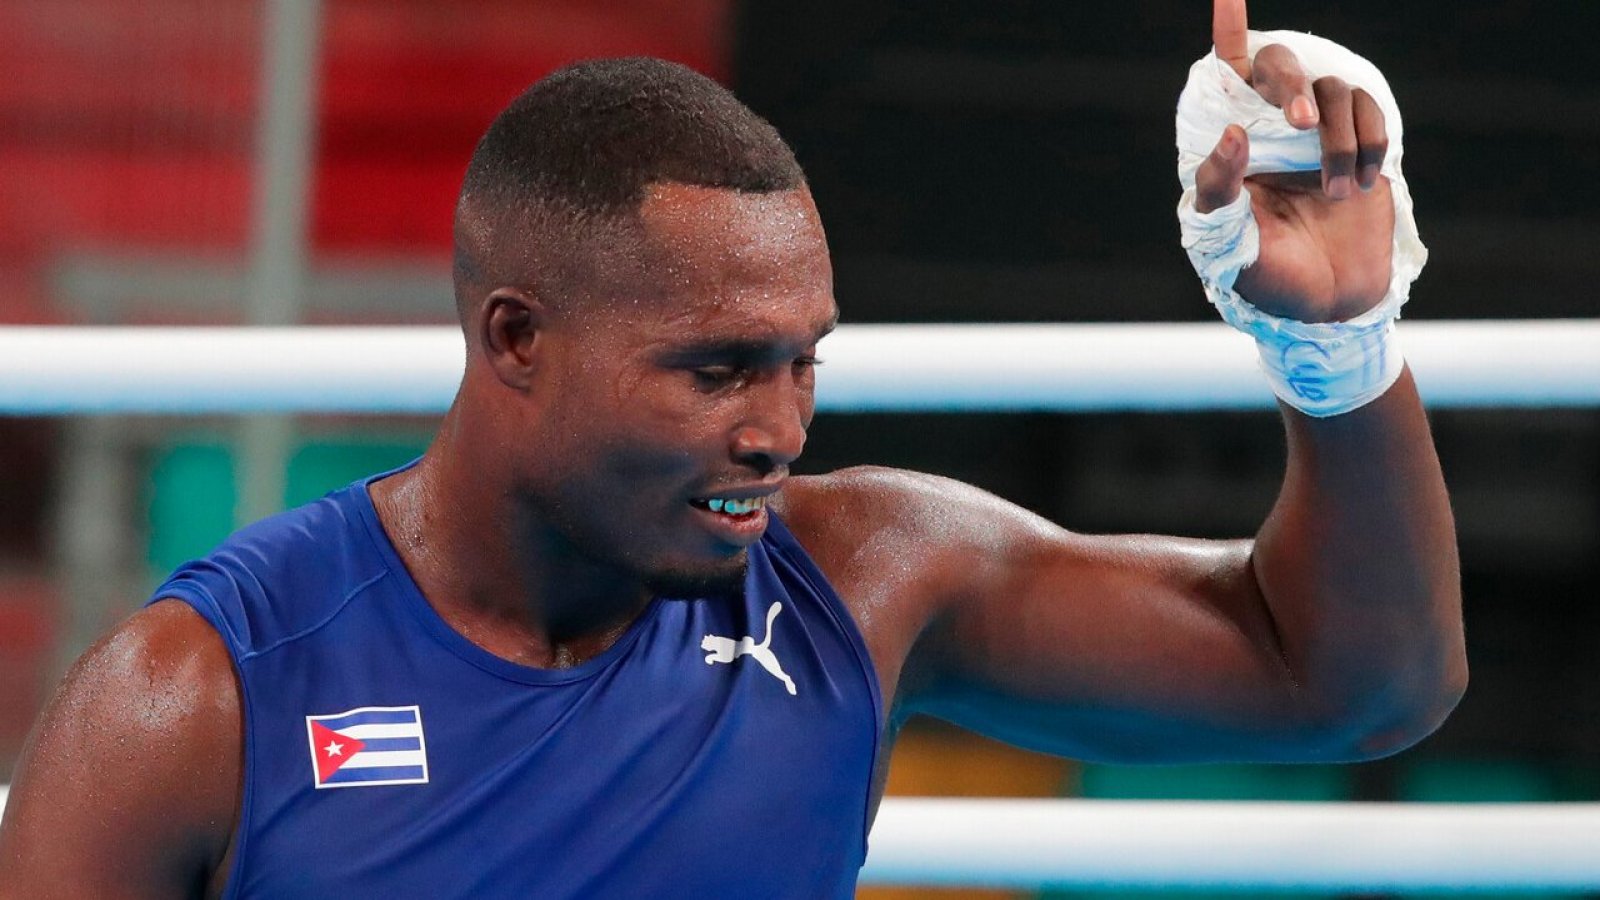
[748, 348]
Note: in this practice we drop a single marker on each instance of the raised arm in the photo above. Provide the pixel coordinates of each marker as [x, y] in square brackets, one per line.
[1335, 634]
[129, 783]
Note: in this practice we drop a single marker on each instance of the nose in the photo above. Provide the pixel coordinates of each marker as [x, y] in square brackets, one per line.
[773, 431]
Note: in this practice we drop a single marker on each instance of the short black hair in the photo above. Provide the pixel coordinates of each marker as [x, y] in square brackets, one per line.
[586, 142]
[594, 134]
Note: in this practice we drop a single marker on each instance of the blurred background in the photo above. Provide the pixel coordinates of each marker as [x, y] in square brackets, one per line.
[236, 162]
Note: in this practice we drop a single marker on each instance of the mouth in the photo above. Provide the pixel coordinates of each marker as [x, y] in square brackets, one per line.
[738, 521]
[729, 506]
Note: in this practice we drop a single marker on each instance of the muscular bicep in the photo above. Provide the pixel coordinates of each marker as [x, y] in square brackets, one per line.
[128, 784]
[1125, 648]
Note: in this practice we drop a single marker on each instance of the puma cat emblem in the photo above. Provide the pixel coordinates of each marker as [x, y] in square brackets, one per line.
[726, 650]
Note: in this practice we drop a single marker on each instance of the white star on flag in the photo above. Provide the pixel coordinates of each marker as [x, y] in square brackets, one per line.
[334, 748]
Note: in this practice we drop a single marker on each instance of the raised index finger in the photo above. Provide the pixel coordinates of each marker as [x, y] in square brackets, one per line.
[1229, 34]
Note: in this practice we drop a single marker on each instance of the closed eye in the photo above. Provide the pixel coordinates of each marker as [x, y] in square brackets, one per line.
[718, 377]
[711, 378]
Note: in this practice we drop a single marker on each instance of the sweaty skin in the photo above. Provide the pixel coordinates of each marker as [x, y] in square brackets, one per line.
[686, 371]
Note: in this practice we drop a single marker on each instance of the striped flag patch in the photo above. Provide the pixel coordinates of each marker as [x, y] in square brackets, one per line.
[367, 747]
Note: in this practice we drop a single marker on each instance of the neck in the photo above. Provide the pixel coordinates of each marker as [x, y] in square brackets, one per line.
[490, 566]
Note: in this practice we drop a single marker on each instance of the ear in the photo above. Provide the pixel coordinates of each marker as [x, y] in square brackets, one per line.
[510, 331]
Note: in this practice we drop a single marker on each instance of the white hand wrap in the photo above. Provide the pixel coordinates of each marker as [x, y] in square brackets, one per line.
[1322, 369]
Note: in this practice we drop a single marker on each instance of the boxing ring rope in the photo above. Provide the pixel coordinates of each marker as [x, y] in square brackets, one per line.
[1354, 847]
[869, 368]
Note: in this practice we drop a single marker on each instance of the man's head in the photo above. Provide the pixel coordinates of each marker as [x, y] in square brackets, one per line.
[642, 278]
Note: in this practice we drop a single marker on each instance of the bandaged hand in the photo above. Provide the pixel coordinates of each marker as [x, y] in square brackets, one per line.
[1295, 212]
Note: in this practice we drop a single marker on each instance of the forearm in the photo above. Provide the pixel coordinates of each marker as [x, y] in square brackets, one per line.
[1358, 566]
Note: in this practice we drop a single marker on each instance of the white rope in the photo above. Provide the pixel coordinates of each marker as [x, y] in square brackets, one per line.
[1347, 847]
[55, 370]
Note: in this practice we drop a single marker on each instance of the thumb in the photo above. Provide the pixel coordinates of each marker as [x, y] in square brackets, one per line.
[1219, 178]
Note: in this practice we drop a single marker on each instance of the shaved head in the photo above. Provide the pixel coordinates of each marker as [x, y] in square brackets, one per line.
[556, 183]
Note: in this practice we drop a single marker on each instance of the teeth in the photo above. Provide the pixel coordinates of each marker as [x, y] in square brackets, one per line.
[736, 507]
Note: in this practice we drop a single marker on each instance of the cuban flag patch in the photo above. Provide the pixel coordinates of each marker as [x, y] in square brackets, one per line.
[367, 747]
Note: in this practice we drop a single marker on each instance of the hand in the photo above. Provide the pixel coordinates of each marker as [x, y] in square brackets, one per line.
[1326, 237]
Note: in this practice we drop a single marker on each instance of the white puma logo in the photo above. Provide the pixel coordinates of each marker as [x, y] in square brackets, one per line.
[726, 650]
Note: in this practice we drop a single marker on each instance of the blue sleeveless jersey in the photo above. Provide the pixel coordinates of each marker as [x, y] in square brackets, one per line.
[721, 748]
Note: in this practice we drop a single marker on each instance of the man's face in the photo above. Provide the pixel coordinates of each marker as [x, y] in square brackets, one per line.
[676, 403]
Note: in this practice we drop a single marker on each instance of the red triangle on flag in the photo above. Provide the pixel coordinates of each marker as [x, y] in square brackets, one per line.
[330, 749]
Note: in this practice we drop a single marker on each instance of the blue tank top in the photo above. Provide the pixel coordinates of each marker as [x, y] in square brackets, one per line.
[721, 748]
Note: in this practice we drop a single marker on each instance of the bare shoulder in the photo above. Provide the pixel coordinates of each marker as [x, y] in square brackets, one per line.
[129, 782]
[861, 512]
[901, 548]
[867, 507]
